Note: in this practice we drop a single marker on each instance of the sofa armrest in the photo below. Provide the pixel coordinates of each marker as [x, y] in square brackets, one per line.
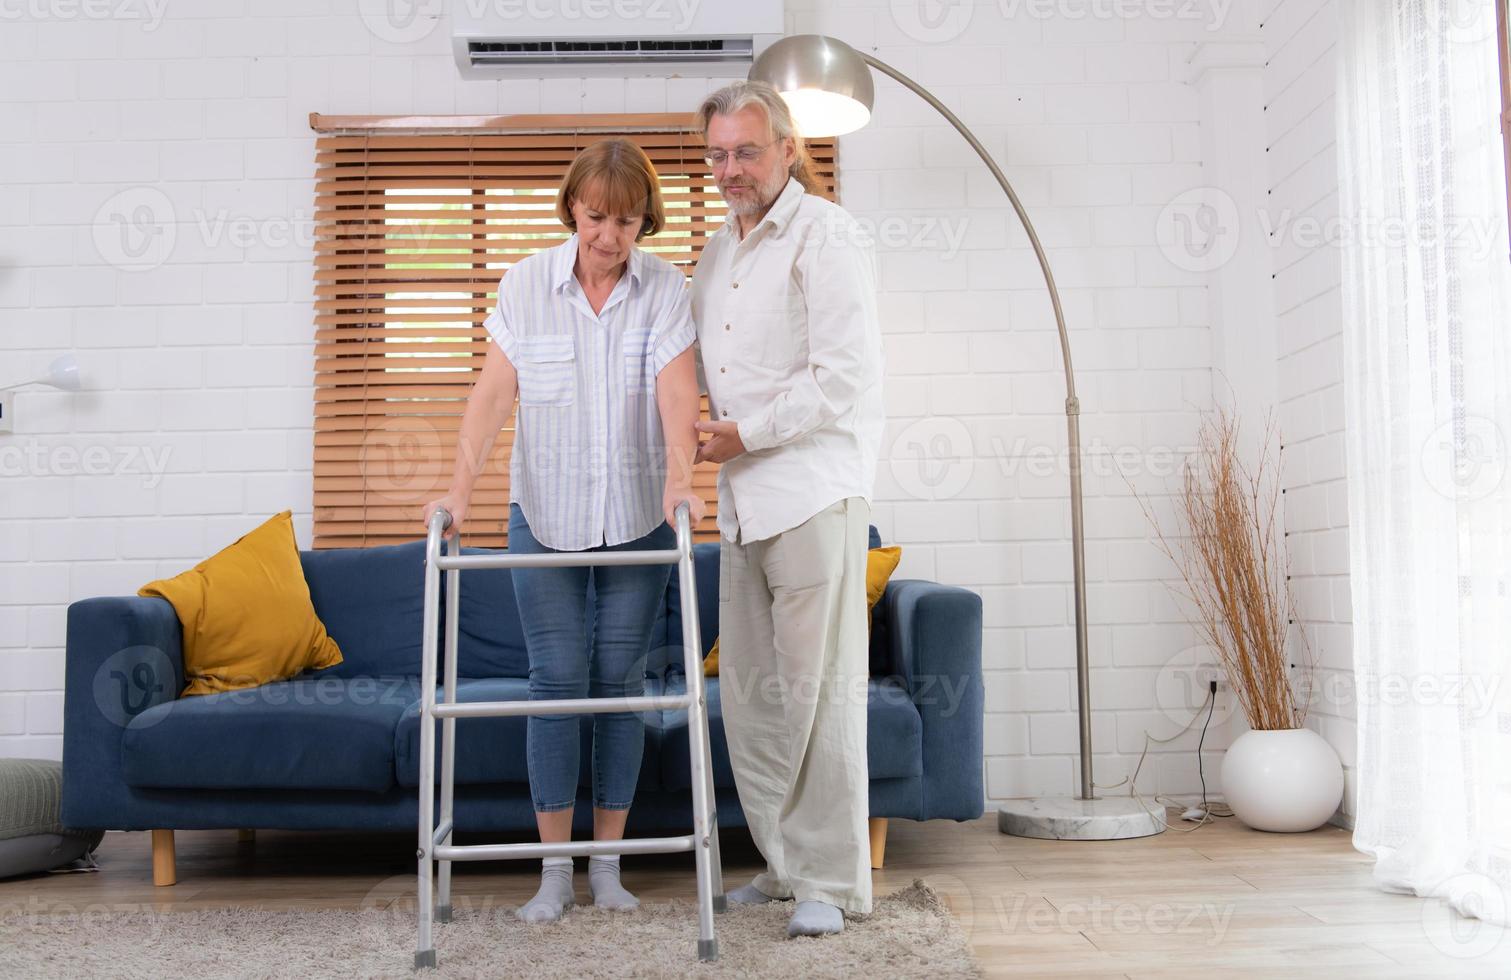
[124, 655]
[934, 635]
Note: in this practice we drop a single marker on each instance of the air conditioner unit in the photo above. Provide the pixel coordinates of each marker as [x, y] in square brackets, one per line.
[611, 38]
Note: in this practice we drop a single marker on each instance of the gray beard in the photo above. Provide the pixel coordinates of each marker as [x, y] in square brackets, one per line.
[765, 196]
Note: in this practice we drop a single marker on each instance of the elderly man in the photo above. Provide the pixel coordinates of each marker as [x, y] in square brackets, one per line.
[784, 300]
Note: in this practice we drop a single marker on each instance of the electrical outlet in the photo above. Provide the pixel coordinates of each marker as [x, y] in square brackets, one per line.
[7, 406]
[1207, 675]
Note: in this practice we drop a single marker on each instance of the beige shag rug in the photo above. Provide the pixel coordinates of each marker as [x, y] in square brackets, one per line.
[909, 933]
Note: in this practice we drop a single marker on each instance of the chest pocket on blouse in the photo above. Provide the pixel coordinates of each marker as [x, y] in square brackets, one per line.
[547, 370]
[639, 366]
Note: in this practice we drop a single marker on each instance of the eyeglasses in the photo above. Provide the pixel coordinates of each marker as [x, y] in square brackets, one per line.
[744, 154]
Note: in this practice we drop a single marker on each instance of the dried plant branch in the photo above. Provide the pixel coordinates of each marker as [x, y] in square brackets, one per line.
[1235, 571]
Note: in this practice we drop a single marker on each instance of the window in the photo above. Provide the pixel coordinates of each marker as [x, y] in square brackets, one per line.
[414, 228]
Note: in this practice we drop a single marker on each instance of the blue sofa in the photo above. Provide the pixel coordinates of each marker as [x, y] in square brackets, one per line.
[338, 748]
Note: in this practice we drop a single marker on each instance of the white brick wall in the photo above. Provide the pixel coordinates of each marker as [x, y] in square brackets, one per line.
[1301, 42]
[204, 362]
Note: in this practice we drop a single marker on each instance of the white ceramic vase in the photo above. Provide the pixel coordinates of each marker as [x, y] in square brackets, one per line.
[1284, 781]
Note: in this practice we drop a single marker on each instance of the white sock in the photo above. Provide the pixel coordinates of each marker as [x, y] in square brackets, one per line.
[749, 894]
[555, 895]
[815, 919]
[603, 879]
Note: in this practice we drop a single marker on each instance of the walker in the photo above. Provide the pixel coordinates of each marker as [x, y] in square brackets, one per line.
[435, 839]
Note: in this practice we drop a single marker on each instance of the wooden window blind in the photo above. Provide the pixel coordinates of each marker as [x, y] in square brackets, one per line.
[416, 220]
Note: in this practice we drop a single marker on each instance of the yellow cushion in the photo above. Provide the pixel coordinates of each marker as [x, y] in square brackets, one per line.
[246, 613]
[880, 564]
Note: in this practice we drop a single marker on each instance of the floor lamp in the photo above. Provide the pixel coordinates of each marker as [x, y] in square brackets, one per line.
[827, 85]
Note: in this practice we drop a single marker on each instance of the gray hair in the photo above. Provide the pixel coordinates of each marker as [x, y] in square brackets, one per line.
[740, 95]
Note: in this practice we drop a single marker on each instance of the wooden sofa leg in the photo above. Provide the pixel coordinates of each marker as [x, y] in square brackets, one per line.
[164, 866]
[245, 836]
[878, 841]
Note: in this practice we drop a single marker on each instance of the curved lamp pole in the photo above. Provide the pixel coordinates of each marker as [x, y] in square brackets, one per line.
[827, 84]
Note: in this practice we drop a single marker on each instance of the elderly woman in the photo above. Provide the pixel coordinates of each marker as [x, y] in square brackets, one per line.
[595, 337]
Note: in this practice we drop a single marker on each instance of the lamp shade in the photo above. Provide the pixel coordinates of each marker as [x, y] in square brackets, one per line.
[825, 83]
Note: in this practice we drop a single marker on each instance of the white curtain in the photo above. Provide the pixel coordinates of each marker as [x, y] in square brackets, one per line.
[1427, 367]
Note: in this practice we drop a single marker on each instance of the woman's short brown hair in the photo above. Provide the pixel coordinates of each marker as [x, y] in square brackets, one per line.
[618, 178]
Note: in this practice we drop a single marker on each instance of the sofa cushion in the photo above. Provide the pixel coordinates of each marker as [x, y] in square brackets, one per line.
[492, 750]
[305, 733]
[372, 603]
[32, 835]
[246, 613]
[42, 852]
[894, 736]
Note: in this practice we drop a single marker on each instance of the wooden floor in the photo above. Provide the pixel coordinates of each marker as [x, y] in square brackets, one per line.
[1179, 905]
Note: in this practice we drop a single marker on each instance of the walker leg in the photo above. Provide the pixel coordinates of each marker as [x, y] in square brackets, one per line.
[721, 903]
[424, 946]
[443, 900]
[704, 822]
[703, 828]
[448, 734]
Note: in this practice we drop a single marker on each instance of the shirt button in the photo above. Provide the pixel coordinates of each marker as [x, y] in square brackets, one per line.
[726, 326]
[724, 412]
[721, 370]
[735, 285]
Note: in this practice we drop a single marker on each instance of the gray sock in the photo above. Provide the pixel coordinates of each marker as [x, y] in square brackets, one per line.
[815, 919]
[603, 879]
[555, 895]
[749, 894]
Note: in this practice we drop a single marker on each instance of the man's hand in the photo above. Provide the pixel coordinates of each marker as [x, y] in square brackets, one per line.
[724, 444]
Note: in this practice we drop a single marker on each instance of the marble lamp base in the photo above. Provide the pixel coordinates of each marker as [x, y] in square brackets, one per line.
[1063, 818]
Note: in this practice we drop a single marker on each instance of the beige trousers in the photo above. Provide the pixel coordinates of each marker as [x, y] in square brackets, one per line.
[792, 684]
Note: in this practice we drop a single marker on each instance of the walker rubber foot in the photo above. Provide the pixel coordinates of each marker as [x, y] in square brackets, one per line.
[443, 913]
[708, 950]
[422, 960]
[721, 904]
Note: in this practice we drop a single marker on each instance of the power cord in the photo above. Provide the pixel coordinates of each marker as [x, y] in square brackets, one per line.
[1208, 811]
[1206, 807]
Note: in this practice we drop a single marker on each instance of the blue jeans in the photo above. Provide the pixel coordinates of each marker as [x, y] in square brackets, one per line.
[553, 608]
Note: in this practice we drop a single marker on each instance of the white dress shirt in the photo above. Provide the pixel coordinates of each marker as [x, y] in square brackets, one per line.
[589, 460]
[791, 351]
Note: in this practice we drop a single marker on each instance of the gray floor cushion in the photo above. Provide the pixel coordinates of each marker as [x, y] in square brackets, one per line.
[31, 838]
